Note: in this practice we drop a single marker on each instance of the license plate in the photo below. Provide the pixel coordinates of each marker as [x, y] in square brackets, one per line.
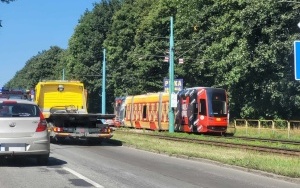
[80, 130]
[94, 130]
[13, 147]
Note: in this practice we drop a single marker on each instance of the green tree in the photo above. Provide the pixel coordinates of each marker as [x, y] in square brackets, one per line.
[86, 49]
[43, 66]
[240, 45]
[244, 46]
[120, 44]
[137, 45]
[7, 1]
[152, 46]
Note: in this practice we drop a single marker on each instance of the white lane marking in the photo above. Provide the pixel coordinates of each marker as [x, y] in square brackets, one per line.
[83, 177]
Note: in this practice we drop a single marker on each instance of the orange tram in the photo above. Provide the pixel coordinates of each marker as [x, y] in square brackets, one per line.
[199, 110]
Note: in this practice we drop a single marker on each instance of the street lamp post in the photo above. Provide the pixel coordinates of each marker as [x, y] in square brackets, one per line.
[171, 79]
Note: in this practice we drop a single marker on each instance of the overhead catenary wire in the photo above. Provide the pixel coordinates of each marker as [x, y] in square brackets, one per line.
[189, 49]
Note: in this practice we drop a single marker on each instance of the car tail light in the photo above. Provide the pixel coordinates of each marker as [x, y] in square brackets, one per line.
[9, 102]
[42, 126]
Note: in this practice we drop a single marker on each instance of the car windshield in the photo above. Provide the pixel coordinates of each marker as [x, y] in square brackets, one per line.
[18, 110]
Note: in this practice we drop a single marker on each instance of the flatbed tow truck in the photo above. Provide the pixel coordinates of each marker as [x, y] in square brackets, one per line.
[63, 104]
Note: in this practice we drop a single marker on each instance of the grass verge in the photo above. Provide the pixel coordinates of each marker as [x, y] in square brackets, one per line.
[288, 166]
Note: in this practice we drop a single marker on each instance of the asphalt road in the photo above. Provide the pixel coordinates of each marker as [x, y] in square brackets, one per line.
[110, 166]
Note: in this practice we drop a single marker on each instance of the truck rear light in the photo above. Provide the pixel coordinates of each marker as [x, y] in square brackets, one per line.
[58, 129]
[105, 130]
[42, 125]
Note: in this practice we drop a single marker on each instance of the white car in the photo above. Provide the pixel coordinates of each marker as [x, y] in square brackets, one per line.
[23, 130]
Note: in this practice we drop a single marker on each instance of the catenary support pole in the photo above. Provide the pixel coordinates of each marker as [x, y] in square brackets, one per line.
[171, 75]
[103, 83]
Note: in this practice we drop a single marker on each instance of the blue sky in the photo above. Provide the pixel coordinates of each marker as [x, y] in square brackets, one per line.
[29, 27]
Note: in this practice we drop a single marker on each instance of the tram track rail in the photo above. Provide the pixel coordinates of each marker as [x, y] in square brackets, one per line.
[291, 142]
[284, 151]
[245, 146]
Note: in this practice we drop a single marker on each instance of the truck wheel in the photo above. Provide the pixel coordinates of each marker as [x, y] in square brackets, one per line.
[43, 159]
[56, 140]
[59, 140]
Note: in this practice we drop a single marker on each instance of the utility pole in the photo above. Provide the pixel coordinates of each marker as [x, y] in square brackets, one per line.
[103, 83]
[171, 77]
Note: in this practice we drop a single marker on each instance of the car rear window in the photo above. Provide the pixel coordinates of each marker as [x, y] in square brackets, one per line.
[18, 110]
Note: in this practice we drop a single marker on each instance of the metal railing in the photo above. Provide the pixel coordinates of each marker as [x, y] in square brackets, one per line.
[289, 127]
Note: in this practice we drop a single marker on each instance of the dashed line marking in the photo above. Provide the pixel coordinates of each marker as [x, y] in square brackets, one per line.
[83, 177]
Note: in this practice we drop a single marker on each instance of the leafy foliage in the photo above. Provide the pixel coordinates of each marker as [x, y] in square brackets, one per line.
[86, 49]
[240, 45]
[46, 65]
[7, 1]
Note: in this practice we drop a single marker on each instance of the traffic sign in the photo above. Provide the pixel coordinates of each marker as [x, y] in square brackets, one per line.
[178, 85]
[180, 61]
[297, 59]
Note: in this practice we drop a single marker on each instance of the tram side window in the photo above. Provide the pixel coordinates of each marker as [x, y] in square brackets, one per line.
[124, 112]
[195, 106]
[144, 111]
[202, 108]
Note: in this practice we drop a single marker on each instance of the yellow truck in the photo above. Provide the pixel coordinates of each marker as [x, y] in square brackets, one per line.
[64, 105]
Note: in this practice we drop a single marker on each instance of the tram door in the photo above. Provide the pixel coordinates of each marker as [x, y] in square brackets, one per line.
[202, 111]
[192, 111]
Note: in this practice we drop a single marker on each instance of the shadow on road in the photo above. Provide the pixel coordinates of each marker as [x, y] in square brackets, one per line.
[29, 162]
[106, 142]
[113, 142]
